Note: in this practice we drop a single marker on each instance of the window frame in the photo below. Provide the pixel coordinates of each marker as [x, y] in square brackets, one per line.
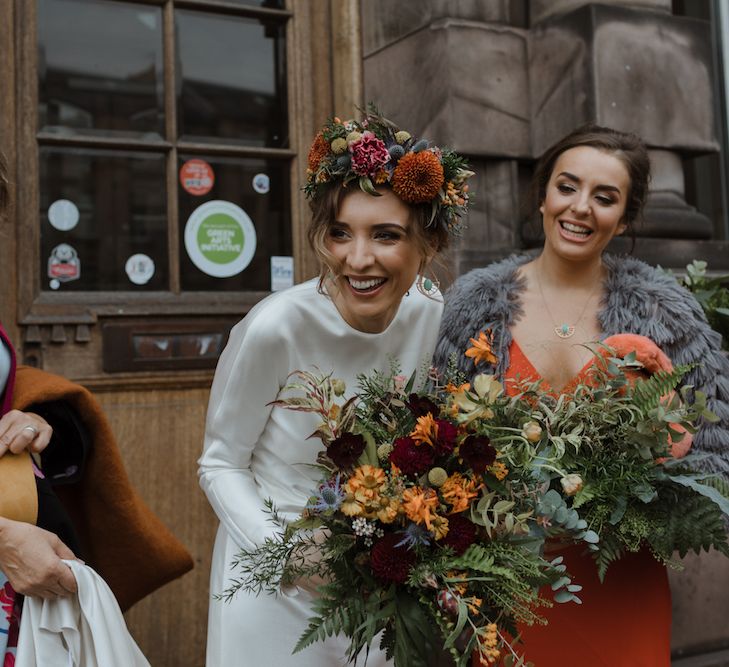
[38, 307]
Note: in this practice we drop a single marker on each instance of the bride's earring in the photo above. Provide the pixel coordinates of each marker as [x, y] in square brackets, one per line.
[428, 286]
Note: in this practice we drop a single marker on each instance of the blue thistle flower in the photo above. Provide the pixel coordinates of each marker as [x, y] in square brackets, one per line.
[396, 151]
[414, 535]
[330, 496]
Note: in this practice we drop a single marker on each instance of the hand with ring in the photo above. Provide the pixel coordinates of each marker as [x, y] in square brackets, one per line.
[23, 430]
[32, 560]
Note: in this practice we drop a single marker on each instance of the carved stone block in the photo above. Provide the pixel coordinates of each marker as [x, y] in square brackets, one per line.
[459, 83]
[645, 72]
[385, 21]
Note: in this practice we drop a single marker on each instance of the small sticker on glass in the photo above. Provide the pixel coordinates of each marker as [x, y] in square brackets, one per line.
[64, 264]
[63, 215]
[261, 183]
[197, 177]
[282, 272]
[139, 268]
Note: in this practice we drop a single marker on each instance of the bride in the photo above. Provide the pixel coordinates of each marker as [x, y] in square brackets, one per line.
[371, 304]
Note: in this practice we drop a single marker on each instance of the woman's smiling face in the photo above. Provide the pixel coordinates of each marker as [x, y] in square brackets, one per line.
[377, 254]
[584, 203]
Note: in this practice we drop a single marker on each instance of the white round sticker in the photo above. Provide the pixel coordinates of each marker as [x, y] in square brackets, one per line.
[261, 183]
[63, 214]
[220, 238]
[139, 268]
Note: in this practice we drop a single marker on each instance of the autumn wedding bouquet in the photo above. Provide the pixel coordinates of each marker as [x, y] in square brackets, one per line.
[429, 526]
[422, 532]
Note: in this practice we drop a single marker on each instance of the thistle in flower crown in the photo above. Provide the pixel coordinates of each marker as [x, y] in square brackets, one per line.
[374, 152]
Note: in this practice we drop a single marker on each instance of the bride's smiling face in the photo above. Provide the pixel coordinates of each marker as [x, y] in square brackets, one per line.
[377, 253]
[584, 203]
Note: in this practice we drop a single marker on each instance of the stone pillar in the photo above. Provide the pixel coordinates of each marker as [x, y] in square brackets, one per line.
[456, 72]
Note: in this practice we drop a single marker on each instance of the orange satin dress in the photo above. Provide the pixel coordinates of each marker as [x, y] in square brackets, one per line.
[624, 621]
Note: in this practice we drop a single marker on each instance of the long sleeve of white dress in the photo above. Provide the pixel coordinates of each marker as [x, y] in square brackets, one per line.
[251, 367]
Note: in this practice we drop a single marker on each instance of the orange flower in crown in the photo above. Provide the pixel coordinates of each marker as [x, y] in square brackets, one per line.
[418, 177]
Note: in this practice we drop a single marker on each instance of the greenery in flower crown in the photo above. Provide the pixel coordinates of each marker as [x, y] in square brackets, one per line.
[374, 151]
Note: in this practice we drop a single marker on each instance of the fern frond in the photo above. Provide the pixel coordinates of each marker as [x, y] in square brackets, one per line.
[647, 393]
[699, 525]
[610, 550]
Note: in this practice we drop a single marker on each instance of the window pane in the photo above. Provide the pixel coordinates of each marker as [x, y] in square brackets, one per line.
[100, 67]
[231, 79]
[220, 200]
[103, 220]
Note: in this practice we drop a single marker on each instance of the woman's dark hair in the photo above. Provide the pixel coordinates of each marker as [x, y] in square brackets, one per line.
[625, 146]
[430, 237]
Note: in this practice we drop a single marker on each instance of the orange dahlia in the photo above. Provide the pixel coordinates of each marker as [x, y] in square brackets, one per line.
[318, 151]
[418, 177]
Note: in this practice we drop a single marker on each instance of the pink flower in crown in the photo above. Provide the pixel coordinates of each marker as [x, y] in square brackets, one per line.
[369, 154]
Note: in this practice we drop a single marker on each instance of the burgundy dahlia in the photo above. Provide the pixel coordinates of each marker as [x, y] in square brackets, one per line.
[421, 405]
[411, 458]
[346, 449]
[477, 452]
[446, 441]
[461, 534]
[369, 154]
[390, 563]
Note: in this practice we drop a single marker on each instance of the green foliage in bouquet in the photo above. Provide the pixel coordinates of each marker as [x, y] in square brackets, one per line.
[428, 528]
[713, 295]
[418, 533]
[605, 452]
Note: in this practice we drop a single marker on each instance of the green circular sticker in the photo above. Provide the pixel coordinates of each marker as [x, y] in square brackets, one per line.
[220, 238]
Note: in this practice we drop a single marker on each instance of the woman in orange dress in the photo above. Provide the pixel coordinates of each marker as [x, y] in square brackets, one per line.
[543, 313]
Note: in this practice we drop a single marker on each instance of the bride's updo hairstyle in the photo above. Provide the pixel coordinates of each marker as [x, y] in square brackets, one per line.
[374, 154]
[625, 146]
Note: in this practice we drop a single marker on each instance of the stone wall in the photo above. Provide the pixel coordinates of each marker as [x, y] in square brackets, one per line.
[502, 80]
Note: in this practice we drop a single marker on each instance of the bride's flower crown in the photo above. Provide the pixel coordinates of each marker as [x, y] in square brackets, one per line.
[374, 151]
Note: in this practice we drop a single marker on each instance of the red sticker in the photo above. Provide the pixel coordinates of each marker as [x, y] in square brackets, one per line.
[197, 177]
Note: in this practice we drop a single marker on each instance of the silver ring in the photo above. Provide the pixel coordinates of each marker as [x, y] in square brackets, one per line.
[32, 428]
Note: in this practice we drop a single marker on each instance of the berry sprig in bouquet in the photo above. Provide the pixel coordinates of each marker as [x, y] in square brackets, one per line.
[420, 535]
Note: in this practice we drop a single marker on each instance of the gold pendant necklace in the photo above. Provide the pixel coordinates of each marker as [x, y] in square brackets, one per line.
[564, 330]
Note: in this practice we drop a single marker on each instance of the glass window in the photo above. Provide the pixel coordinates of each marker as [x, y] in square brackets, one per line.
[231, 79]
[105, 173]
[103, 220]
[100, 68]
[234, 215]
